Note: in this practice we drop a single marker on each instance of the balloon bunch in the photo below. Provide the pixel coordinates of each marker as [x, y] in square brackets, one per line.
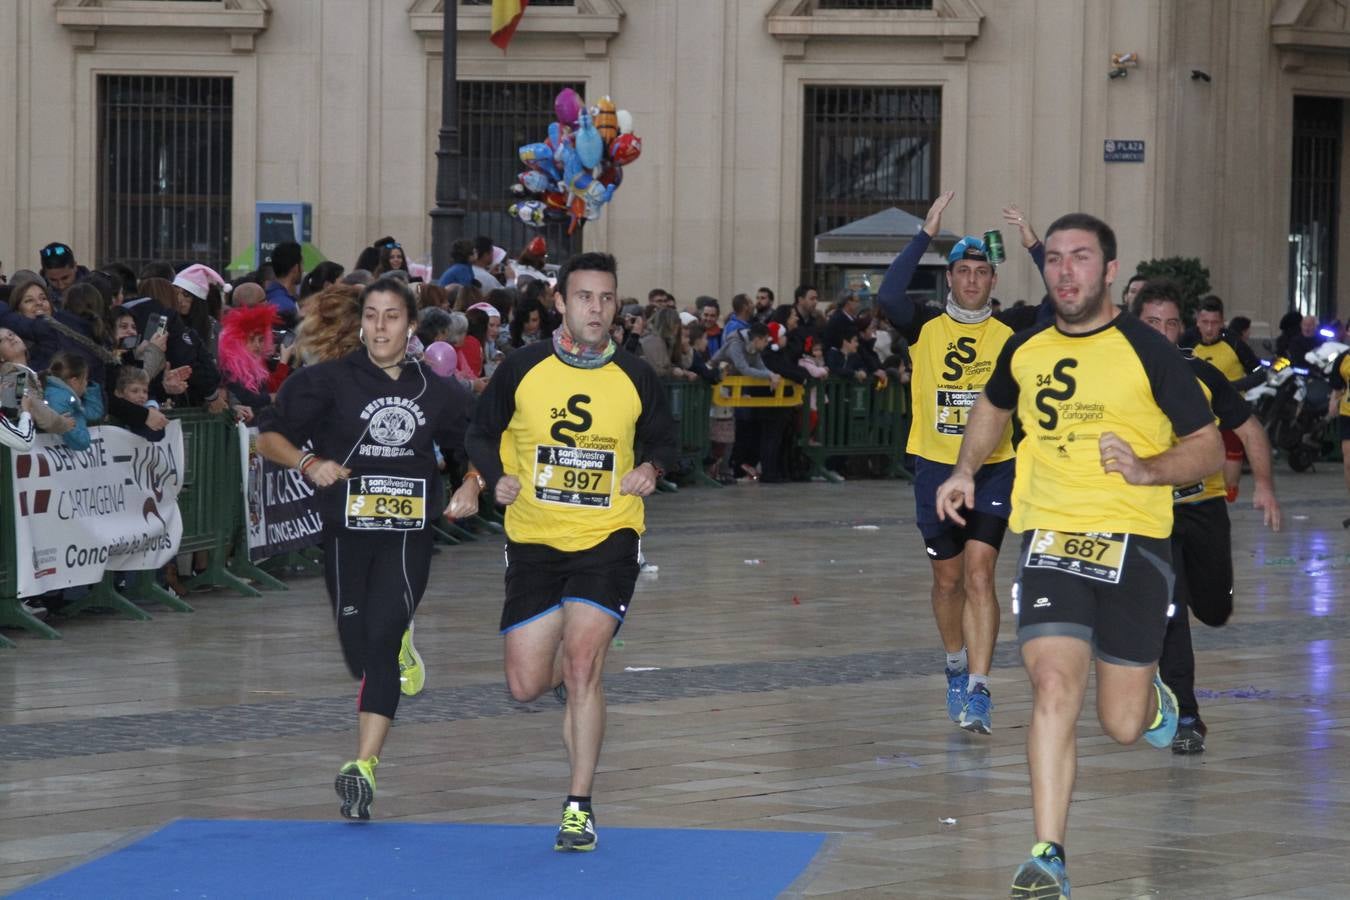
[574, 173]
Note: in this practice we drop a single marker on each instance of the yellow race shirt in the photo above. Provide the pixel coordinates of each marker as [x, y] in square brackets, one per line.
[1223, 357]
[1230, 411]
[952, 364]
[1340, 377]
[570, 435]
[1067, 389]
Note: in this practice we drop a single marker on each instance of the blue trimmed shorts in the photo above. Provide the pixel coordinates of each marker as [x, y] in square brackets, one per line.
[540, 578]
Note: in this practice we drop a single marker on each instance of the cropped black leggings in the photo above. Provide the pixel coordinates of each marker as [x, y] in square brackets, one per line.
[375, 580]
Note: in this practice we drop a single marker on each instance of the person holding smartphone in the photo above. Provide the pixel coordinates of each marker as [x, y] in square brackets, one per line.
[16, 411]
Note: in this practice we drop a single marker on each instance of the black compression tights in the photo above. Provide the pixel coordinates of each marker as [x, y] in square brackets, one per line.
[375, 581]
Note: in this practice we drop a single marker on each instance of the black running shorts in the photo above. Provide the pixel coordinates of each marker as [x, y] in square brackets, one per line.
[540, 579]
[1111, 590]
[986, 523]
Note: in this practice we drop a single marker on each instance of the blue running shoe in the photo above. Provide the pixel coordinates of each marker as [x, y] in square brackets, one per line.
[975, 714]
[1042, 877]
[1161, 734]
[956, 693]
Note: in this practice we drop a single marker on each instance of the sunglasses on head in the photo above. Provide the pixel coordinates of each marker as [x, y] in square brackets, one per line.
[393, 245]
[49, 252]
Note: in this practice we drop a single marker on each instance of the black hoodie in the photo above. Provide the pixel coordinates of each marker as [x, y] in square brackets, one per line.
[356, 415]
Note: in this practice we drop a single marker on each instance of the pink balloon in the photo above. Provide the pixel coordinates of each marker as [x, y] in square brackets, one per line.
[442, 358]
[567, 106]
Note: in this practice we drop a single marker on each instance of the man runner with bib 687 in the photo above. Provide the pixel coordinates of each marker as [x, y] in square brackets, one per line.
[1113, 419]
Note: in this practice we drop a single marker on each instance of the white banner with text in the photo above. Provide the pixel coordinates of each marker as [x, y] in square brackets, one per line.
[112, 507]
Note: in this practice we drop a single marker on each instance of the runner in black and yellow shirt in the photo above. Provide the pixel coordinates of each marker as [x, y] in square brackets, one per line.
[1202, 545]
[1210, 342]
[1113, 418]
[953, 350]
[572, 435]
[1340, 408]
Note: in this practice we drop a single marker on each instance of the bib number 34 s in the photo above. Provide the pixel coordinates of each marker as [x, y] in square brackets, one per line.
[1096, 555]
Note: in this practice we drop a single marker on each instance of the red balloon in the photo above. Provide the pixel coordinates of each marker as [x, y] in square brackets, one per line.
[611, 174]
[555, 199]
[625, 148]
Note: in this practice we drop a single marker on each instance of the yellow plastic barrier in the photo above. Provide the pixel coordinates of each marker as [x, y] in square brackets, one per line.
[732, 391]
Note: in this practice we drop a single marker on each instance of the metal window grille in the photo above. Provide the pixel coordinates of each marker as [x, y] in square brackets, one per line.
[865, 149]
[164, 177]
[1314, 194]
[880, 5]
[495, 119]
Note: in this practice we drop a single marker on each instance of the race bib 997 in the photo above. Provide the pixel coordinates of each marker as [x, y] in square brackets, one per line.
[573, 476]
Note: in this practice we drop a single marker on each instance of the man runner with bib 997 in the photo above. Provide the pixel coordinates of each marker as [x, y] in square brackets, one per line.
[1113, 419]
[954, 351]
[571, 434]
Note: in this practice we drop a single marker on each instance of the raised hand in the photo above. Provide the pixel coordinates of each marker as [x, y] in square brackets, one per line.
[932, 224]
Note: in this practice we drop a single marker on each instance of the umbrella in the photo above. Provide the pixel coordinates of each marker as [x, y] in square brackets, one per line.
[310, 256]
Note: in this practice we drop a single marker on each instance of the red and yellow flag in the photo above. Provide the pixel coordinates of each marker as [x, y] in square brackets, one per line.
[505, 17]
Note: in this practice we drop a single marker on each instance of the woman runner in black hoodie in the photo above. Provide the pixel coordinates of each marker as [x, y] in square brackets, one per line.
[362, 429]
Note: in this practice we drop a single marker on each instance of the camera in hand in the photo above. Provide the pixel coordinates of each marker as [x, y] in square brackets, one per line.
[154, 324]
[13, 386]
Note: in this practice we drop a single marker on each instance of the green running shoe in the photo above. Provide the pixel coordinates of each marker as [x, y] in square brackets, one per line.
[355, 785]
[412, 673]
[578, 830]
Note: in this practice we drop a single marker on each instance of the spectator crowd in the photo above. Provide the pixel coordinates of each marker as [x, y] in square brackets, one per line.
[81, 346]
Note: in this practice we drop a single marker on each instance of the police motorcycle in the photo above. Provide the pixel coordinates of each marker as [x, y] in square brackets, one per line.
[1292, 402]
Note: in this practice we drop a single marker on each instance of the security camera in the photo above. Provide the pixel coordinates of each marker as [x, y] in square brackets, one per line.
[1118, 72]
[1200, 75]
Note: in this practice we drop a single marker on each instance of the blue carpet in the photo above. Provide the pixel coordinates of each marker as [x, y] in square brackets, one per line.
[236, 859]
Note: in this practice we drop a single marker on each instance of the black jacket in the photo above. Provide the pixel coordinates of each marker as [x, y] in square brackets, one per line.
[356, 415]
[186, 348]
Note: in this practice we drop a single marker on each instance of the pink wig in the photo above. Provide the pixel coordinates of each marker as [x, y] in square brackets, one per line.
[237, 363]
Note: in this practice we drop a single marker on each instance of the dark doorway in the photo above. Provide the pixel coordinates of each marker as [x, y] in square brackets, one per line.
[1314, 205]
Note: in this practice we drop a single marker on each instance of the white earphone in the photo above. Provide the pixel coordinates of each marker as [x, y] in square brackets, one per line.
[361, 334]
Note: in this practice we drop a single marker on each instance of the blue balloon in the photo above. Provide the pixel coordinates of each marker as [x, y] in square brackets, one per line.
[590, 146]
[536, 155]
[571, 160]
[535, 181]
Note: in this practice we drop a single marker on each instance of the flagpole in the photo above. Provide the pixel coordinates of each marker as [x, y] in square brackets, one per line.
[447, 219]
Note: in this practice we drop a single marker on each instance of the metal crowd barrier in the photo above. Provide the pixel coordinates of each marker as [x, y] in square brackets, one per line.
[744, 391]
[690, 403]
[855, 419]
[210, 505]
[11, 611]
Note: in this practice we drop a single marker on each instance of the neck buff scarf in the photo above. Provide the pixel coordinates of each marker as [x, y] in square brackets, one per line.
[579, 355]
[968, 316]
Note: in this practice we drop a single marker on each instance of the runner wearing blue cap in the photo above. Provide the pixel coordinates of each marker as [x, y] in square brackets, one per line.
[954, 349]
